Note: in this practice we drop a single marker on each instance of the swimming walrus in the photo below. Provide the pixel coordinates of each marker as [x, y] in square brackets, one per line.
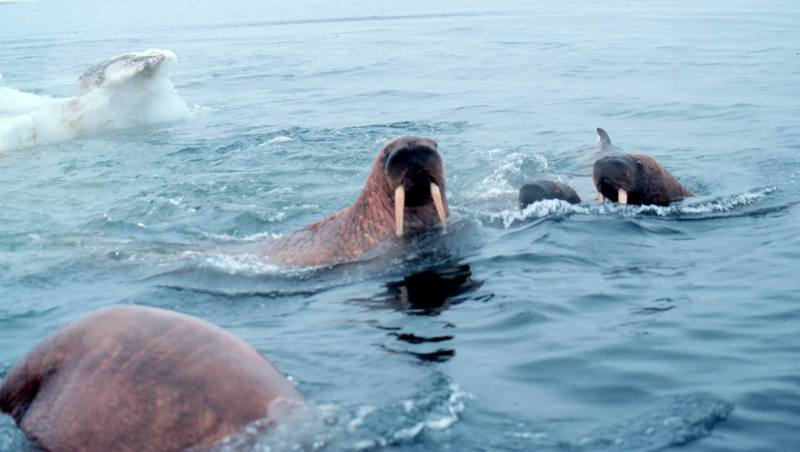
[404, 195]
[636, 179]
[545, 189]
[142, 379]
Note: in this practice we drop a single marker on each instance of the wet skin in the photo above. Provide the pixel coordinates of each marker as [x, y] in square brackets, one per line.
[404, 195]
[637, 178]
[142, 379]
[541, 190]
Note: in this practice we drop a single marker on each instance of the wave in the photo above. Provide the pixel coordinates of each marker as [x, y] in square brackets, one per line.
[428, 413]
[701, 209]
[668, 423]
[128, 90]
[508, 175]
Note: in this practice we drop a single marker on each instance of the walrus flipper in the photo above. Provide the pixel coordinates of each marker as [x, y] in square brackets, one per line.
[602, 137]
[23, 382]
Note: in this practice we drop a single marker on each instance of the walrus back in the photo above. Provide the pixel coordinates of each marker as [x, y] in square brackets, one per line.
[132, 378]
[657, 185]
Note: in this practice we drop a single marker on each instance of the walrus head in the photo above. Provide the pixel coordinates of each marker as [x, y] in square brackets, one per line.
[636, 179]
[541, 190]
[414, 175]
[404, 195]
[617, 176]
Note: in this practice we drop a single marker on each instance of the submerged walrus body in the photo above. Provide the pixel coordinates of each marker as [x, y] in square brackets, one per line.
[141, 379]
[636, 179]
[541, 190]
[404, 195]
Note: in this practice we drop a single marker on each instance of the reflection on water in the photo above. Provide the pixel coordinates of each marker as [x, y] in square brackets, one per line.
[597, 310]
[428, 293]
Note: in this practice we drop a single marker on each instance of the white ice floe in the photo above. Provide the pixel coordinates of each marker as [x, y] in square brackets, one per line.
[127, 90]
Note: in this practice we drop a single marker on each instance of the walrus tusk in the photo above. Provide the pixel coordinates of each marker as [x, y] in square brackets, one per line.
[622, 196]
[600, 198]
[436, 194]
[399, 207]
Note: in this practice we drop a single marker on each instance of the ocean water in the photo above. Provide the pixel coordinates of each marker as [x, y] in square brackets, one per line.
[578, 328]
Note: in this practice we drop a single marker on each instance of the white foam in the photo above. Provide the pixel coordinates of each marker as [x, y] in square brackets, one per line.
[129, 95]
[234, 264]
[358, 420]
[505, 178]
[550, 207]
[260, 236]
[278, 139]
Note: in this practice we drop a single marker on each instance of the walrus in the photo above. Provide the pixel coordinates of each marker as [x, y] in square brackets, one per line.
[126, 90]
[130, 378]
[546, 189]
[404, 195]
[636, 179]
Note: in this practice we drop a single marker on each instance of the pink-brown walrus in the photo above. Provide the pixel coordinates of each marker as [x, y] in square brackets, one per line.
[141, 379]
[404, 194]
[636, 179]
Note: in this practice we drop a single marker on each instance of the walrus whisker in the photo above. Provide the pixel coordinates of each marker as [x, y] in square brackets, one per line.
[399, 208]
[436, 194]
[622, 196]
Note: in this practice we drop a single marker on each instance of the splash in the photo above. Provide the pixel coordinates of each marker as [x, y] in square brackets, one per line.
[509, 175]
[127, 90]
[699, 209]
[234, 264]
[431, 412]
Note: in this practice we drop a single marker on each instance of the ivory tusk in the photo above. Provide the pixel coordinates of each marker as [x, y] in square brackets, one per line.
[436, 194]
[600, 198]
[622, 196]
[399, 208]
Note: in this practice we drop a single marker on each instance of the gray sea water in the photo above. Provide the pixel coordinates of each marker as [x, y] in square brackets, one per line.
[576, 328]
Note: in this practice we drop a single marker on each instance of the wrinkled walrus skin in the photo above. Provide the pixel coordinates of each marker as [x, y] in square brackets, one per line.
[140, 379]
[643, 180]
[411, 162]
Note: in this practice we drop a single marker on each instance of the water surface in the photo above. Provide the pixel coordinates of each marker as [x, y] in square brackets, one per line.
[558, 328]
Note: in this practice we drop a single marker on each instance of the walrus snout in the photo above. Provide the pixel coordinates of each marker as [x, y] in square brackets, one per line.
[415, 168]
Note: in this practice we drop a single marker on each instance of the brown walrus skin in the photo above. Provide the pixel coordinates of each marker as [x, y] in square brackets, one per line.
[541, 190]
[642, 178]
[140, 379]
[411, 162]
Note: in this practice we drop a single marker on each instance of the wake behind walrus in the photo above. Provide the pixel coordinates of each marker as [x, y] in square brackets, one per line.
[404, 195]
